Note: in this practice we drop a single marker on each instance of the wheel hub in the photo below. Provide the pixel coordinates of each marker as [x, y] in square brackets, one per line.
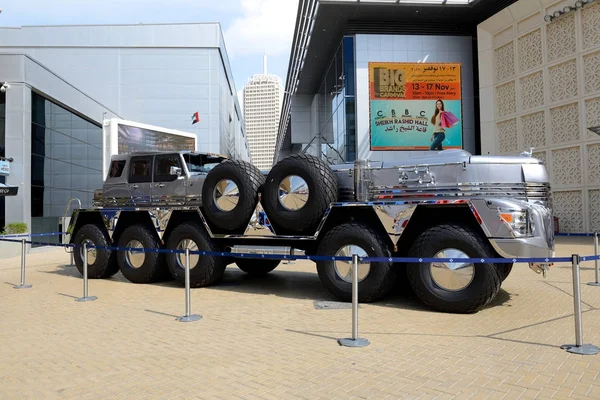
[194, 258]
[135, 258]
[91, 251]
[452, 276]
[293, 192]
[343, 269]
[226, 195]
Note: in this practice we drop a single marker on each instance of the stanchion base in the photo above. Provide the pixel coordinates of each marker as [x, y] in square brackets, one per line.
[84, 299]
[585, 349]
[190, 318]
[359, 342]
[22, 286]
[594, 284]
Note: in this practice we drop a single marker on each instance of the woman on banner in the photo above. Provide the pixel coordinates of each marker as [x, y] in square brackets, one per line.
[441, 120]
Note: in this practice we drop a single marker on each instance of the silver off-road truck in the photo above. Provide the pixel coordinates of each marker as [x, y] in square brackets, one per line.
[449, 204]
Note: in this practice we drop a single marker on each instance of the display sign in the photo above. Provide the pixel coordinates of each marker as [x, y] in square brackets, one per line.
[415, 106]
[4, 168]
[6, 190]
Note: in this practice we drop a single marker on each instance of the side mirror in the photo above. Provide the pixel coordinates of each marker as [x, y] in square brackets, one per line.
[175, 171]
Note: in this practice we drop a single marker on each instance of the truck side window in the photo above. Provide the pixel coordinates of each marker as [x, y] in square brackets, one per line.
[116, 168]
[140, 170]
[162, 167]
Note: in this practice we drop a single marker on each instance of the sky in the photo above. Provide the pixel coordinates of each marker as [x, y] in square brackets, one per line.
[251, 27]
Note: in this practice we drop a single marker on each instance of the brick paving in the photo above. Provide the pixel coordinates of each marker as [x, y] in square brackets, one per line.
[264, 339]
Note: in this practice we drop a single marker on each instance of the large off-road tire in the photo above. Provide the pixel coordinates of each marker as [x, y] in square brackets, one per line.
[375, 280]
[256, 266]
[504, 270]
[230, 194]
[304, 210]
[137, 266]
[441, 287]
[102, 263]
[204, 270]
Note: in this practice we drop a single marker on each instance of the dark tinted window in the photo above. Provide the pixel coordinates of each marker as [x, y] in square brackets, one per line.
[162, 167]
[116, 168]
[140, 170]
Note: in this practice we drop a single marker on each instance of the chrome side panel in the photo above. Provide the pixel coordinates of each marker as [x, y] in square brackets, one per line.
[395, 218]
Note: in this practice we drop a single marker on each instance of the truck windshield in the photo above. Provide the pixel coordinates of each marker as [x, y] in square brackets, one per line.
[198, 163]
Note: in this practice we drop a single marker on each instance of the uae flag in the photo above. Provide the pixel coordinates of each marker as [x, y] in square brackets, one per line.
[195, 117]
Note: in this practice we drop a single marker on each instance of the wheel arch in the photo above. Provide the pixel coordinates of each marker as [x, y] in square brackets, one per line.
[83, 218]
[180, 216]
[363, 214]
[128, 218]
[426, 216]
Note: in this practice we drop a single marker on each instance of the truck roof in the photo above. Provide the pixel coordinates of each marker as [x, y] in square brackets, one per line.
[158, 152]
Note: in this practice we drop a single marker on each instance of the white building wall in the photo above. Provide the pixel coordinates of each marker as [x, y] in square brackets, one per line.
[154, 74]
[540, 88]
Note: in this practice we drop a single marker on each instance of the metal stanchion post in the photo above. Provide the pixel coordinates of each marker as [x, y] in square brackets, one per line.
[578, 347]
[23, 250]
[85, 276]
[597, 282]
[188, 317]
[355, 341]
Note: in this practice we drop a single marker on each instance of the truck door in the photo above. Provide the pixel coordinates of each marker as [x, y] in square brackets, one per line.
[169, 180]
[140, 180]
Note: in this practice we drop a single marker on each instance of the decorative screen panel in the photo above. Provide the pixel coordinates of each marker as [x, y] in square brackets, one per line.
[594, 214]
[506, 101]
[504, 62]
[593, 164]
[590, 17]
[530, 51]
[561, 39]
[563, 81]
[565, 123]
[592, 116]
[507, 136]
[566, 166]
[592, 72]
[532, 91]
[568, 207]
[534, 130]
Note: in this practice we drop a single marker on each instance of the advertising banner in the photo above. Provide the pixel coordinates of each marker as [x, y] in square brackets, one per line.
[4, 168]
[415, 106]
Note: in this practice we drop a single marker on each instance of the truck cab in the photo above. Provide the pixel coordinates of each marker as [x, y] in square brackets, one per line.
[156, 178]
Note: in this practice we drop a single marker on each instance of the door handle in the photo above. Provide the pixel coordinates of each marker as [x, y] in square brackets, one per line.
[160, 185]
[134, 186]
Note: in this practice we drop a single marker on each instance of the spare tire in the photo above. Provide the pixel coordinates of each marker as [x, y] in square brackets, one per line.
[297, 192]
[230, 194]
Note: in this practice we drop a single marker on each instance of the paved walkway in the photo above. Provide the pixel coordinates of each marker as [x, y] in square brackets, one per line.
[264, 339]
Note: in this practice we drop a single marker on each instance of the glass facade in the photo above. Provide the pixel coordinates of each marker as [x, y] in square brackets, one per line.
[133, 138]
[2, 154]
[337, 104]
[66, 162]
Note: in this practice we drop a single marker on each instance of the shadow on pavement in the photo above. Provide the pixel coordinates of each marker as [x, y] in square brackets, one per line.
[302, 285]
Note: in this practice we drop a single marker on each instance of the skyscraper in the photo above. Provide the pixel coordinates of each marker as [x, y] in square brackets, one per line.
[263, 95]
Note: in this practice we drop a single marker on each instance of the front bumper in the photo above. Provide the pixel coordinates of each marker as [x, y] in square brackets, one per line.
[532, 247]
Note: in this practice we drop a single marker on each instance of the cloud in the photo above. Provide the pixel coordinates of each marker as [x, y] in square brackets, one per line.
[266, 26]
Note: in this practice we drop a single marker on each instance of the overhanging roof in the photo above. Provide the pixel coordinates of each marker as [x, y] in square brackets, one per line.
[320, 25]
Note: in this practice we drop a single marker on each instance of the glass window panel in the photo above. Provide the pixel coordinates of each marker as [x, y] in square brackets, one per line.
[349, 65]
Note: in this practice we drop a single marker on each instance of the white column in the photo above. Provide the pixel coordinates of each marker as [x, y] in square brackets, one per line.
[18, 146]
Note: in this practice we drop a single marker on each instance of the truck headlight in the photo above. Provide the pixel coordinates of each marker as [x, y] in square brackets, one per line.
[519, 222]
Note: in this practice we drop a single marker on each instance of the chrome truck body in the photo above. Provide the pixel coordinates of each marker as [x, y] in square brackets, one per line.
[449, 204]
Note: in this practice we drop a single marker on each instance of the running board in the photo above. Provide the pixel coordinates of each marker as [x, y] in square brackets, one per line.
[271, 250]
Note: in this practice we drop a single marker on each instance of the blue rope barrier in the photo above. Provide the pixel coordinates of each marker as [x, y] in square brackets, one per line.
[322, 257]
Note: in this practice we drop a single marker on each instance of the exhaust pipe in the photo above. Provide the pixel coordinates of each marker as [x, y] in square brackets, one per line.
[271, 250]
